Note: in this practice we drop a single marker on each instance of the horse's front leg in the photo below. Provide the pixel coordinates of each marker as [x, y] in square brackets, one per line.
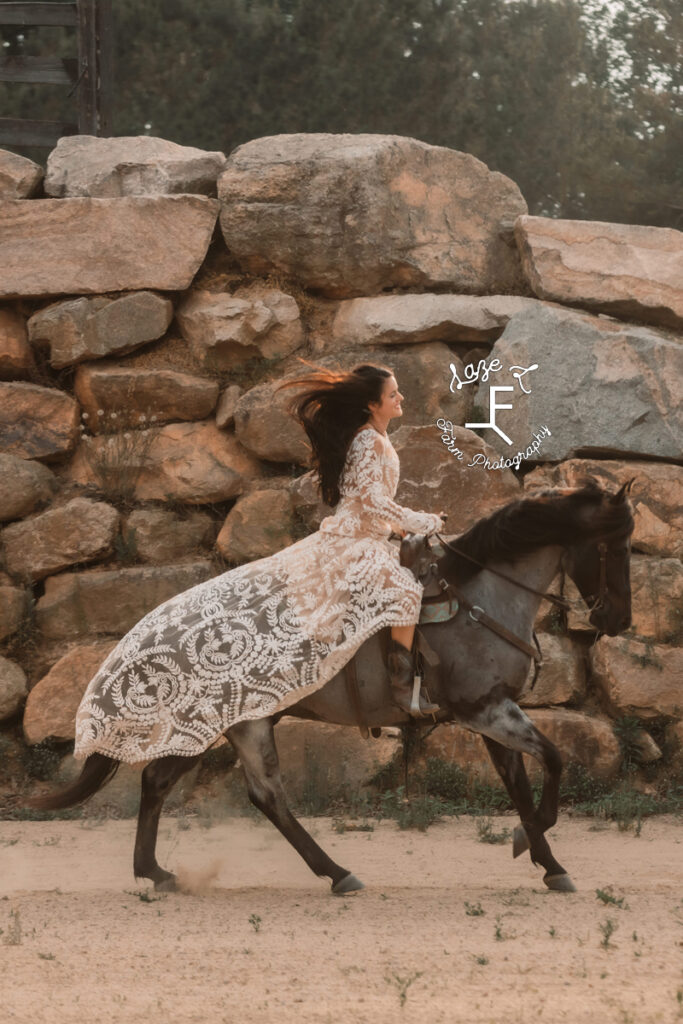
[508, 733]
[255, 745]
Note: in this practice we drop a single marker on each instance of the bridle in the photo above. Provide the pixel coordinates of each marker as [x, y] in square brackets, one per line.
[599, 602]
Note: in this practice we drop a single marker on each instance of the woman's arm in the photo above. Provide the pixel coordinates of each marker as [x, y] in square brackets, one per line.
[378, 502]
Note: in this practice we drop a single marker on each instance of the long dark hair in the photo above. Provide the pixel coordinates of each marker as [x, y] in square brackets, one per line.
[331, 408]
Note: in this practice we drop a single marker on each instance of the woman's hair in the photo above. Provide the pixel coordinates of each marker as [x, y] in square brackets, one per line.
[331, 408]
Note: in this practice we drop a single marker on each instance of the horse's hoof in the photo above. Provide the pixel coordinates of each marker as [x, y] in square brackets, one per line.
[520, 841]
[559, 883]
[349, 883]
[169, 884]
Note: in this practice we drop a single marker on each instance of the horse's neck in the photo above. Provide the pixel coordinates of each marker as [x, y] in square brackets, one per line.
[536, 571]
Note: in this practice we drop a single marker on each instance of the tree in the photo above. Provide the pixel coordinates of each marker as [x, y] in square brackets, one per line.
[579, 101]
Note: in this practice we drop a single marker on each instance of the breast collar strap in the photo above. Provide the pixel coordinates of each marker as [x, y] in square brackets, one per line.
[477, 614]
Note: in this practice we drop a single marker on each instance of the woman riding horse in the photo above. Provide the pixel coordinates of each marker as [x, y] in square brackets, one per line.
[258, 638]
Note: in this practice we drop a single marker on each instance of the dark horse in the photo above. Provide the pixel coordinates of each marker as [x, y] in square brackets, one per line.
[498, 571]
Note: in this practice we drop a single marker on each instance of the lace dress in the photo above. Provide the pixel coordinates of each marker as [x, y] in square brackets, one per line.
[258, 638]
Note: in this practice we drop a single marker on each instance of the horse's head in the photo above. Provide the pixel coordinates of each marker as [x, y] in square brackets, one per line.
[599, 563]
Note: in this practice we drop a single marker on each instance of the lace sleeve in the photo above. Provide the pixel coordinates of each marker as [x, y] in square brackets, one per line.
[377, 500]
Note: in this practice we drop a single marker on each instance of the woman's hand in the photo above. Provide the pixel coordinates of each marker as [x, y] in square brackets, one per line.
[442, 516]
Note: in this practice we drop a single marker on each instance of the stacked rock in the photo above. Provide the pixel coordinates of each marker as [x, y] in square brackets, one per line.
[154, 296]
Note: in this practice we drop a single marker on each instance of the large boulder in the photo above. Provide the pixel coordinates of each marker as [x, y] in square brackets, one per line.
[14, 603]
[356, 214]
[657, 598]
[88, 246]
[159, 536]
[639, 678]
[16, 357]
[13, 688]
[265, 427]
[138, 165]
[20, 177]
[408, 319]
[324, 761]
[191, 462]
[561, 677]
[599, 386]
[259, 524]
[80, 531]
[36, 422]
[81, 329]
[24, 485]
[79, 604]
[53, 702]
[582, 739]
[433, 478]
[656, 495]
[134, 396]
[226, 330]
[627, 270]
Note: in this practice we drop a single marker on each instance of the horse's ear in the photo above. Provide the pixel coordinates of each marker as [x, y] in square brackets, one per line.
[622, 492]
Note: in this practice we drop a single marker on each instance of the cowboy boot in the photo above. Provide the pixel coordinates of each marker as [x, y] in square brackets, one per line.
[401, 664]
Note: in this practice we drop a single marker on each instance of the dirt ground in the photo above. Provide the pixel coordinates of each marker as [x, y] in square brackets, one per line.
[449, 928]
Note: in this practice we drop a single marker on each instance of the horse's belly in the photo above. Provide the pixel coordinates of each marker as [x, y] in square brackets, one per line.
[332, 702]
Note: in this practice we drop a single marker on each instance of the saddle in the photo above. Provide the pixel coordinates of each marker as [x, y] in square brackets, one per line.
[420, 556]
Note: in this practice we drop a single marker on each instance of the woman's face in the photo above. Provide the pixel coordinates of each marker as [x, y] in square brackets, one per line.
[389, 406]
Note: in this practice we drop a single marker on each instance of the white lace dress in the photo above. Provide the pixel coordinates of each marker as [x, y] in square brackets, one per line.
[258, 638]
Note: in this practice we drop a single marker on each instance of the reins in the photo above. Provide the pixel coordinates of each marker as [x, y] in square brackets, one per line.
[556, 599]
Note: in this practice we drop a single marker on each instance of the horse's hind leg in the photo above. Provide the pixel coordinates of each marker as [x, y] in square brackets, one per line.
[158, 780]
[255, 746]
[508, 733]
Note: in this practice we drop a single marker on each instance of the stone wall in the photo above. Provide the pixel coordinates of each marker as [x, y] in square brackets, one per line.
[151, 299]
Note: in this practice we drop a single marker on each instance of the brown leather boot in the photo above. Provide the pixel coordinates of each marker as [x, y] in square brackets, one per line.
[401, 666]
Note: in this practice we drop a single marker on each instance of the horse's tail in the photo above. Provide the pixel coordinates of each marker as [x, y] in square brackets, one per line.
[97, 771]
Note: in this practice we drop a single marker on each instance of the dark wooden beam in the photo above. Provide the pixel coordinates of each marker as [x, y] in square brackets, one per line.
[20, 132]
[37, 14]
[44, 70]
[87, 68]
[105, 66]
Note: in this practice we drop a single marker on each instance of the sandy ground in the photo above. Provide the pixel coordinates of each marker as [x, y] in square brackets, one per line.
[264, 940]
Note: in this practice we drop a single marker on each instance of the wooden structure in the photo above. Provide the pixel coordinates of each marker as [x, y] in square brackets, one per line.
[89, 74]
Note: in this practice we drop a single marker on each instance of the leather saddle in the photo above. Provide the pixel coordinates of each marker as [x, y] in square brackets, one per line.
[420, 555]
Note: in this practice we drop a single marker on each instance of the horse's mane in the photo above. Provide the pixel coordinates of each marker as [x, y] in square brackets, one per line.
[550, 517]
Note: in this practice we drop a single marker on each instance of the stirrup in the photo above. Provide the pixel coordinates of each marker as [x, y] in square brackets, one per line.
[406, 683]
[421, 706]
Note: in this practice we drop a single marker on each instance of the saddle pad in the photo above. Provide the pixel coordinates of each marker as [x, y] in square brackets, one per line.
[440, 611]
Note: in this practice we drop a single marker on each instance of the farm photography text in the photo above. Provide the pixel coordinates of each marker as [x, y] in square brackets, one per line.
[472, 374]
